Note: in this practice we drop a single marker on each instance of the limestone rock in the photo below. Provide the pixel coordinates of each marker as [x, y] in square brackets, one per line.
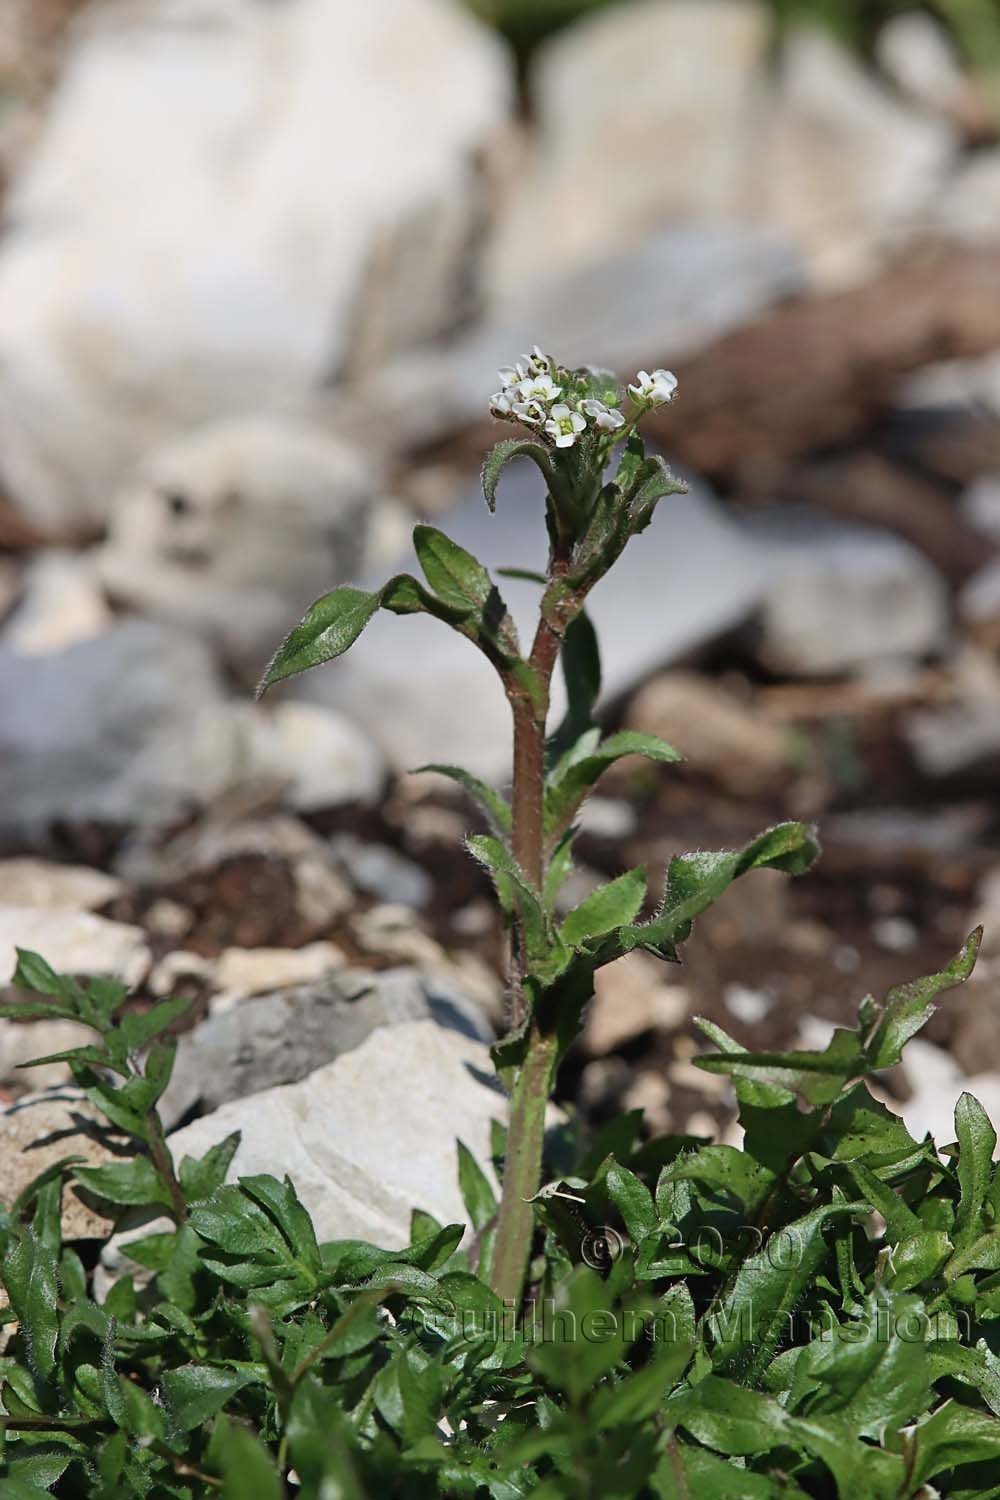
[281, 1037]
[301, 199]
[73, 942]
[40, 1129]
[714, 729]
[40, 882]
[368, 1137]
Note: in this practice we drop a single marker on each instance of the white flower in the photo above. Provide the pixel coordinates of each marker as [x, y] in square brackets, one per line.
[656, 389]
[511, 374]
[538, 363]
[564, 426]
[531, 413]
[539, 388]
[502, 404]
[604, 418]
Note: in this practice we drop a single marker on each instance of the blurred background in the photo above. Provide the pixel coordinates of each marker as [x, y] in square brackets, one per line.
[259, 261]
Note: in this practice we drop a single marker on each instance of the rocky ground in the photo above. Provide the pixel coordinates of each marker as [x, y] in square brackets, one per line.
[211, 414]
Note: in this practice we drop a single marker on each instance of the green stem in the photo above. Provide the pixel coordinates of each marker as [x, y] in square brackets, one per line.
[522, 1168]
[163, 1162]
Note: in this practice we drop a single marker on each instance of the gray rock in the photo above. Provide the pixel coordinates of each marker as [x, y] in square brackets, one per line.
[367, 1138]
[844, 597]
[382, 872]
[424, 694]
[980, 505]
[301, 199]
[968, 210]
[22, 1041]
[128, 727]
[132, 728]
[915, 51]
[280, 1038]
[232, 529]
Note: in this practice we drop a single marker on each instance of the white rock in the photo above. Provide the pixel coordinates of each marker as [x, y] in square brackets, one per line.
[845, 597]
[916, 53]
[937, 1082]
[234, 528]
[301, 197]
[843, 168]
[370, 1136]
[255, 971]
[968, 209]
[62, 605]
[20, 1042]
[424, 694]
[606, 172]
[747, 1005]
[73, 942]
[666, 297]
[980, 505]
[39, 882]
[319, 758]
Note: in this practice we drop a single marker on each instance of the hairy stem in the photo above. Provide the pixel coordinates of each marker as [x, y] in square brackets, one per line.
[523, 1166]
[522, 1169]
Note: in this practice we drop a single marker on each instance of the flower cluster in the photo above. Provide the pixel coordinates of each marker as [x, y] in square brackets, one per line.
[562, 405]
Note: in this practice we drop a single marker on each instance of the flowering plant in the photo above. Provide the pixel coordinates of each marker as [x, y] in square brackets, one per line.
[581, 430]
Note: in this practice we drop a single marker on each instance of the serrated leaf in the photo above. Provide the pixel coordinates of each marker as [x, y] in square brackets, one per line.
[282, 1203]
[496, 806]
[695, 880]
[609, 907]
[727, 1170]
[908, 1007]
[199, 1177]
[752, 1317]
[502, 454]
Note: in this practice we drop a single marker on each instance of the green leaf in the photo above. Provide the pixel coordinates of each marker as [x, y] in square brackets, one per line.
[497, 807]
[196, 1392]
[609, 907]
[908, 1007]
[33, 973]
[752, 1317]
[126, 1182]
[976, 1143]
[30, 1276]
[457, 577]
[580, 659]
[873, 1371]
[477, 1194]
[140, 1027]
[330, 627]
[501, 455]
[282, 1203]
[726, 1170]
[633, 1201]
[818, 1076]
[953, 1435]
[244, 1463]
[560, 867]
[547, 954]
[199, 1177]
[572, 778]
[728, 1418]
[694, 881]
